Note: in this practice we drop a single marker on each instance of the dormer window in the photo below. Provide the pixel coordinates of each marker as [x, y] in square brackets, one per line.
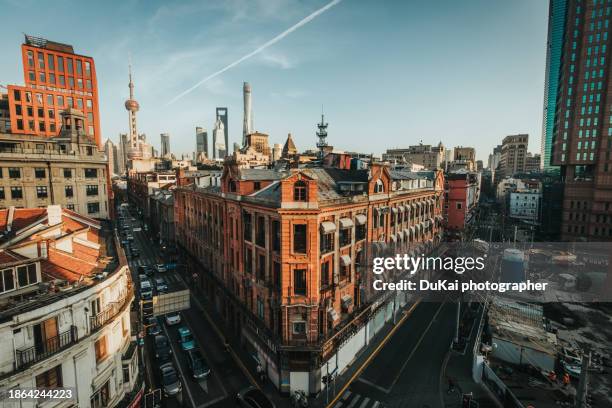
[299, 191]
[379, 187]
[231, 185]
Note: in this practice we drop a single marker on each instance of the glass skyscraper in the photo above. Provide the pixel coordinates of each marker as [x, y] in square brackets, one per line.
[554, 50]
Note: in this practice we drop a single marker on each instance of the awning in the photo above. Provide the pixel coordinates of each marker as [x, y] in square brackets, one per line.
[327, 227]
[332, 314]
[406, 234]
[347, 301]
[345, 260]
[346, 223]
[439, 217]
[394, 210]
[412, 229]
[402, 208]
[393, 238]
[361, 219]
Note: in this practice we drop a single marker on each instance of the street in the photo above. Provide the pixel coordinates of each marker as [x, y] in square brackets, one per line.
[226, 378]
[407, 372]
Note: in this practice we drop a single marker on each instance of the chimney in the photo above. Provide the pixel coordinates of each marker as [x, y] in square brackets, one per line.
[54, 214]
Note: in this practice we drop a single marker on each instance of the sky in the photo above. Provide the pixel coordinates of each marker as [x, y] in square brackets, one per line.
[385, 73]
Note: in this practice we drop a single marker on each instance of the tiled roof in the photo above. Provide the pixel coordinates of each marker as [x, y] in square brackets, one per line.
[22, 217]
[262, 174]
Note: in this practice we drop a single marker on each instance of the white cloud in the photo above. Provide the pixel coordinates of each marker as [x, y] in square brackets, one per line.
[276, 60]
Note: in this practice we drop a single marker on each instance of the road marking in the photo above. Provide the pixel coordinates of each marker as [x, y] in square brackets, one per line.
[365, 402]
[371, 384]
[214, 401]
[416, 346]
[374, 353]
[175, 358]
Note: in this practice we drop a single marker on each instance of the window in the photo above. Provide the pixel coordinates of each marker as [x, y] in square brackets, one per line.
[360, 232]
[70, 207]
[41, 192]
[41, 60]
[299, 282]
[299, 238]
[93, 208]
[257, 186]
[7, 280]
[1, 193]
[26, 275]
[91, 173]
[260, 307]
[231, 186]
[345, 236]
[40, 172]
[79, 67]
[16, 193]
[459, 206]
[261, 267]
[69, 66]
[299, 191]
[50, 62]
[248, 260]
[325, 273]
[246, 218]
[299, 327]
[50, 379]
[30, 59]
[101, 351]
[14, 172]
[100, 398]
[87, 69]
[260, 237]
[69, 191]
[379, 187]
[91, 190]
[276, 235]
[327, 242]
[276, 274]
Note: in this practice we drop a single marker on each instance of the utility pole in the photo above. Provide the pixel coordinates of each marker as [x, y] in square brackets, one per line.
[581, 393]
[458, 318]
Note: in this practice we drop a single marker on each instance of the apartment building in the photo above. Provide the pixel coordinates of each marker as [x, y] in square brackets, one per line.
[68, 170]
[462, 193]
[283, 254]
[65, 309]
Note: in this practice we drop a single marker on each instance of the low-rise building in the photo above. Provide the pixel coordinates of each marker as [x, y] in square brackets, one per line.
[525, 204]
[65, 308]
[68, 170]
[462, 193]
[428, 156]
[282, 255]
[140, 185]
[161, 207]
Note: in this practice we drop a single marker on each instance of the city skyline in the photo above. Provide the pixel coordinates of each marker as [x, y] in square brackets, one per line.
[317, 65]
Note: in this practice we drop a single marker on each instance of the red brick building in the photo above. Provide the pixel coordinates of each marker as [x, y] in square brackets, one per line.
[55, 79]
[279, 254]
[462, 193]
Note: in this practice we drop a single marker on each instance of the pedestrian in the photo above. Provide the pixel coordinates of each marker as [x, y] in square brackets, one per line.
[566, 379]
[261, 373]
[451, 385]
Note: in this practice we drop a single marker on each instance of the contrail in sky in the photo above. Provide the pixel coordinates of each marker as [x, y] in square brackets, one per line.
[273, 41]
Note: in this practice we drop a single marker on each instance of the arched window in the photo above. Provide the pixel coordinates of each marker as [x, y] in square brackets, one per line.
[299, 191]
[379, 187]
[232, 186]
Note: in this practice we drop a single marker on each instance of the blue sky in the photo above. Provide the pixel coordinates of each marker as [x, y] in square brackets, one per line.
[387, 73]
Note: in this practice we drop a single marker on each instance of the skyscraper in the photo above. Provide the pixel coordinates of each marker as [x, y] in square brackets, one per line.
[582, 132]
[165, 144]
[55, 79]
[132, 106]
[109, 150]
[222, 114]
[219, 148]
[201, 141]
[247, 125]
[554, 49]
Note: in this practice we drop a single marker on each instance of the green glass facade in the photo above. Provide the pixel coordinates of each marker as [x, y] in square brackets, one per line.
[554, 51]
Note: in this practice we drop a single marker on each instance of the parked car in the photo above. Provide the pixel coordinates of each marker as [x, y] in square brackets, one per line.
[148, 270]
[161, 268]
[142, 278]
[160, 285]
[170, 381]
[135, 252]
[186, 338]
[198, 364]
[147, 308]
[253, 397]
[172, 319]
[146, 290]
[154, 328]
[162, 348]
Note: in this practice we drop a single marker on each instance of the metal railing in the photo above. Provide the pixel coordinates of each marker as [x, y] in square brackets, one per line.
[28, 356]
[110, 312]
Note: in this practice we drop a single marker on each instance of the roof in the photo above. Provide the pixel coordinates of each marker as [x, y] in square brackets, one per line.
[261, 174]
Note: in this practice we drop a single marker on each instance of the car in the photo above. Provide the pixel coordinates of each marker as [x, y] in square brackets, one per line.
[186, 338]
[137, 229]
[147, 308]
[170, 381]
[129, 237]
[161, 268]
[150, 321]
[253, 397]
[154, 328]
[141, 269]
[146, 290]
[172, 319]
[160, 285]
[198, 364]
[149, 270]
[142, 278]
[135, 252]
[162, 348]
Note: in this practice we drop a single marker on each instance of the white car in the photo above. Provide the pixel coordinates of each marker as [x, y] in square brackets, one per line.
[173, 319]
[161, 268]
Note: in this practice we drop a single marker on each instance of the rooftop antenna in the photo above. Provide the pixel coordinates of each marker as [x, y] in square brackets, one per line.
[322, 135]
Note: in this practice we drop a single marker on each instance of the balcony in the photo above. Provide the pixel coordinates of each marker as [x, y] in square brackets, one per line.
[111, 311]
[31, 355]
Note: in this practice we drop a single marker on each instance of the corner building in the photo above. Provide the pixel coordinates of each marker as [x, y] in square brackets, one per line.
[280, 256]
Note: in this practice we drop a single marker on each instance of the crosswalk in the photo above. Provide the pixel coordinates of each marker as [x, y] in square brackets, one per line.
[353, 400]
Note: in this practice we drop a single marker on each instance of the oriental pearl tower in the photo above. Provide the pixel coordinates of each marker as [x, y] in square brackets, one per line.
[134, 151]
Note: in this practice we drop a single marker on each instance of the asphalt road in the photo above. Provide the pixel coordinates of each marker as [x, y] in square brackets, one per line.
[407, 372]
[226, 378]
